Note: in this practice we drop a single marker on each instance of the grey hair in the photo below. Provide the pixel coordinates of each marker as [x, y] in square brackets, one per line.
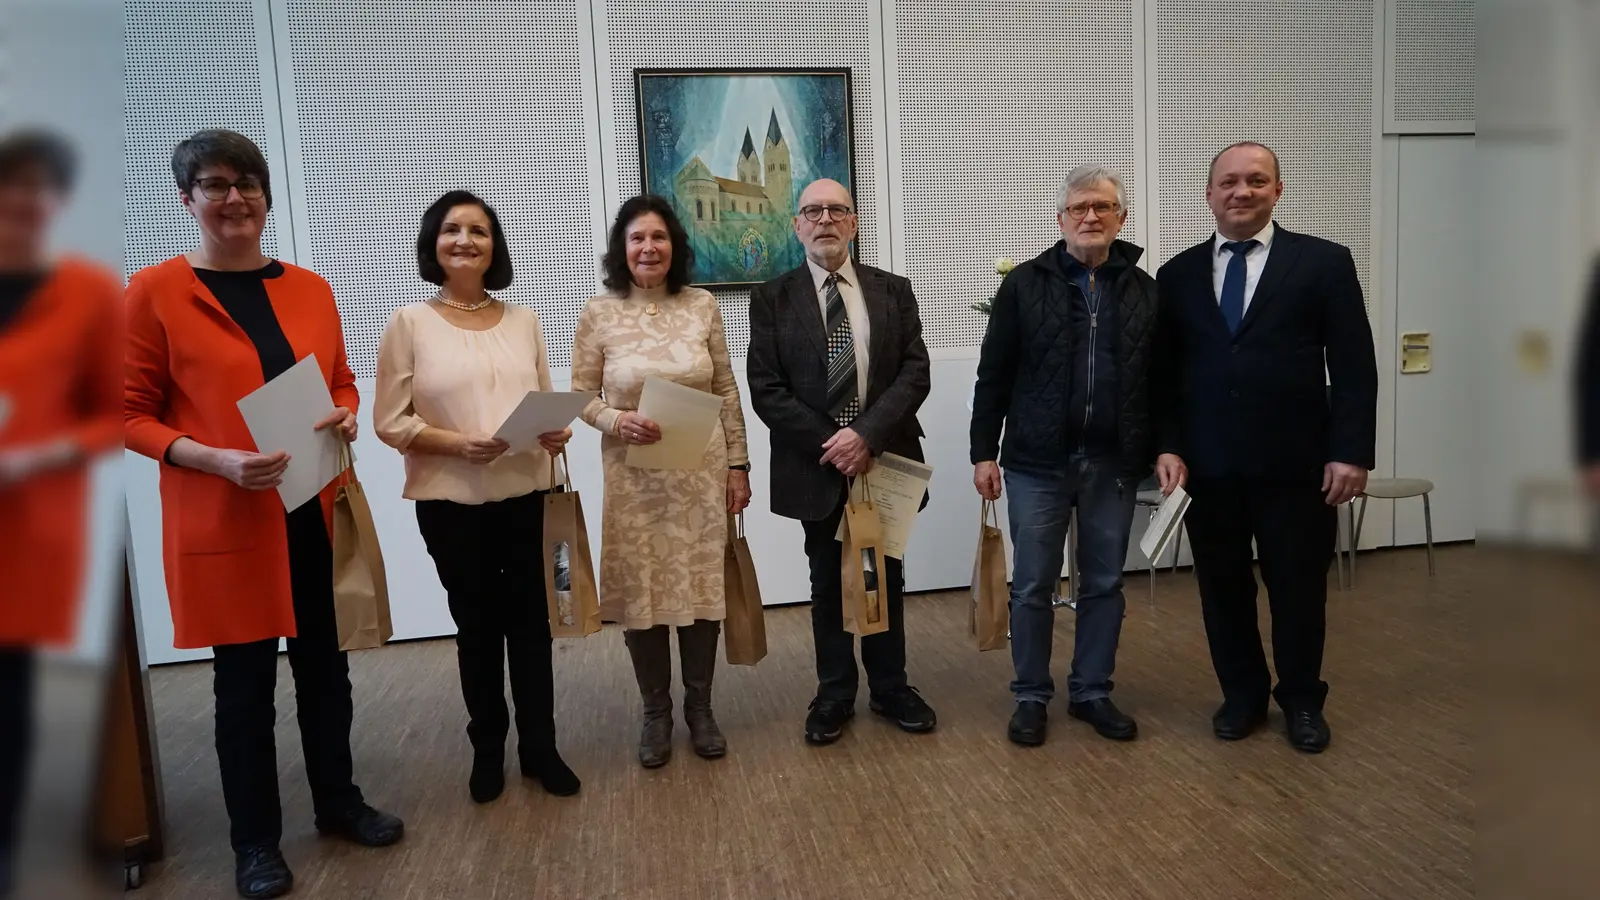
[1086, 175]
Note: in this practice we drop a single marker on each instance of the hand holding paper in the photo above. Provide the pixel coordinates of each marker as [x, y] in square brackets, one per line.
[541, 413]
[283, 416]
[687, 419]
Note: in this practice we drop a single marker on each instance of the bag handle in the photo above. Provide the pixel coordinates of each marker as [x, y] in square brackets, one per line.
[565, 484]
[347, 465]
[850, 491]
[988, 510]
[736, 526]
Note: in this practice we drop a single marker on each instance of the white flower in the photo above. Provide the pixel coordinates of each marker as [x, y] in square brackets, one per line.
[1004, 265]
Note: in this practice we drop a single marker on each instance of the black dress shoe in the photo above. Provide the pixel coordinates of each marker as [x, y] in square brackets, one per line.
[906, 708]
[1108, 721]
[1308, 731]
[553, 773]
[825, 722]
[1235, 721]
[488, 778]
[361, 824]
[261, 872]
[1028, 724]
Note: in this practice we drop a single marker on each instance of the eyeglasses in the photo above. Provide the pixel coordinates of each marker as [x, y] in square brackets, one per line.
[1103, 209]
[814, 213]
[249, 187]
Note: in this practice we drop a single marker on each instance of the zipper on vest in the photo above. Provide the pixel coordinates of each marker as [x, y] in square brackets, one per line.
[1094, 327]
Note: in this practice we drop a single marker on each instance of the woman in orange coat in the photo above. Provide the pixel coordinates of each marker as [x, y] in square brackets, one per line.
[204, 330]
[59, 339]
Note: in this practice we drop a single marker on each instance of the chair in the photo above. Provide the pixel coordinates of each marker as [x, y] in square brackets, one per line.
[1150, 500]
[1394, 489]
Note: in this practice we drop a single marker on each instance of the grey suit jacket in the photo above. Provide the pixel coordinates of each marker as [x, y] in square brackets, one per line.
[788, 371]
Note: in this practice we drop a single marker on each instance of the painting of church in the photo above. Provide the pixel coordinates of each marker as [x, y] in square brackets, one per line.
[731, 150]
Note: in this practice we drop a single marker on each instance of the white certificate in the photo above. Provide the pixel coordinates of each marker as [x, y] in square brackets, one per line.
[898, 485]
[282, 415]
[687, 418]
[541, 412]
[1164, 524]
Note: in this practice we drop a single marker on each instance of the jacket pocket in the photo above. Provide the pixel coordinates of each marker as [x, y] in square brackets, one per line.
[214, 515]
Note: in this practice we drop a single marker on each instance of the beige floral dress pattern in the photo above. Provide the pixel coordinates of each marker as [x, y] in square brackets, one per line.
[664, 532]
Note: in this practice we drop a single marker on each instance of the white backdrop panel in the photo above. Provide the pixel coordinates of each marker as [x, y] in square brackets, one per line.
[644, 34]
[1296, 76]
[998, 100]
[391, 105]
[1432, 66]
[188, 66]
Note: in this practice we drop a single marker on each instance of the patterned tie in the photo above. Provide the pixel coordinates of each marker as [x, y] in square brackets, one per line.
[1233, 283]
[844, 400]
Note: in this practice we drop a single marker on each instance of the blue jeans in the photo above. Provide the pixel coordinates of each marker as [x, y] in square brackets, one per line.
[1040, 509]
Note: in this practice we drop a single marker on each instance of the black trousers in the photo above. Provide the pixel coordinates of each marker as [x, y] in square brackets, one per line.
[16, 744]
[884, 654]
[245, 680]
[1294, 532]
[490, 562]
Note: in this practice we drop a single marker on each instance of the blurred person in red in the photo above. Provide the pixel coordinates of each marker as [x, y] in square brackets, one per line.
[60, 400]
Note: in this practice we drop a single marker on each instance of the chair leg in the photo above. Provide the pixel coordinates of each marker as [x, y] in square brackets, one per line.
[1427, 524]
[1355, 540]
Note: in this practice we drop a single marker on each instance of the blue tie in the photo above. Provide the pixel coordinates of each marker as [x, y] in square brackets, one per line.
[1233, 283]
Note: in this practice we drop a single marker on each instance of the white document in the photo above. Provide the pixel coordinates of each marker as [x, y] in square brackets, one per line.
[282, 415]
[897, 485]
[541, 412]
[687, 418]
[1164, 524]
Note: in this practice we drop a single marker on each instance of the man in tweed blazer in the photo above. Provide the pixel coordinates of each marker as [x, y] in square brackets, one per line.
[837, 371]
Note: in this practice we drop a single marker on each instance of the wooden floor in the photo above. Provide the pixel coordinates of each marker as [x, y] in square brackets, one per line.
[959, 813]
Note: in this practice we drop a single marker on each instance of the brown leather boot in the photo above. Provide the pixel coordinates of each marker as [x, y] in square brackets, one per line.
[697, 656]
[651, 651]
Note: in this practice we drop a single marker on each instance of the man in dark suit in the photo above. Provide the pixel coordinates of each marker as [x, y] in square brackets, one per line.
[837, 371]
[1251, 320]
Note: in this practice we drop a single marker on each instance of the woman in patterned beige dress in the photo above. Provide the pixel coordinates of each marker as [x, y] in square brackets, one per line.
[665, 531]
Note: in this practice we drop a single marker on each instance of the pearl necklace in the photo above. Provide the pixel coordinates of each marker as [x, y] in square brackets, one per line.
[464, 307]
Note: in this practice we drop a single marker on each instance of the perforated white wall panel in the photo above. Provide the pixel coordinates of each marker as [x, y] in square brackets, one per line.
[1432, 58]
[395, 104]
[999, 100]
[650, 34]
[1295, 76]
[189, 66]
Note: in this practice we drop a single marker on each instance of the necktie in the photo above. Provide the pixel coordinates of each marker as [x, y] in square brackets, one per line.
[1233, 283]
[844, 401]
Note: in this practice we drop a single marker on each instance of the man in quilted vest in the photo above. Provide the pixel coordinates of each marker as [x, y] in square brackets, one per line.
[1065, 373]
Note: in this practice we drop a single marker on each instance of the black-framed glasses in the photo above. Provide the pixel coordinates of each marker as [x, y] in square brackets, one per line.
[1103, 209]
[814, 213]
[249, 187]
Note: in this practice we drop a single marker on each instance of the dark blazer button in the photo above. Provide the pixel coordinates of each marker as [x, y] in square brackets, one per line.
[1234, 349]
[1234, 393]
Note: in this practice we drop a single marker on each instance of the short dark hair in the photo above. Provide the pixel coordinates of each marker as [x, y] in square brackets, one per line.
[219, 147]
[615, 263]
[499, 275]
[39, 149]
[1277, 171]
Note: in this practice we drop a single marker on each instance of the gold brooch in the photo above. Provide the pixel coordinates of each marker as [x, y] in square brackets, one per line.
[651, 308]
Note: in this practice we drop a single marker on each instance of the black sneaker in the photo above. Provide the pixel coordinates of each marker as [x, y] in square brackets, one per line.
[1108, 721]
[1029, 724]
[361, 824]
[906, 708]
[826, 720]
[260, 872]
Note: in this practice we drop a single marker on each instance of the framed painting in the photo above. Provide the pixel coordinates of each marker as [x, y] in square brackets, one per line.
[731, 149]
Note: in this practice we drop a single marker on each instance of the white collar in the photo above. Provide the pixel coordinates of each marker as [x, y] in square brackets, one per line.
[847, 274]
[1264, 236]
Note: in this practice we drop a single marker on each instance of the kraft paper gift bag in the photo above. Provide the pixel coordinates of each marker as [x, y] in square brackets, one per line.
[571, 597]
[360, 587]
[991, 599]
[863, 581]
[744, 631]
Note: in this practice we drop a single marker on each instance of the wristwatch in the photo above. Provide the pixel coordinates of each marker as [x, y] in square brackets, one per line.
[742, 467]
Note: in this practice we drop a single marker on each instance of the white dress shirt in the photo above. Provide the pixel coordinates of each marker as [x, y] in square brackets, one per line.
[855, 308]
[1254, 262]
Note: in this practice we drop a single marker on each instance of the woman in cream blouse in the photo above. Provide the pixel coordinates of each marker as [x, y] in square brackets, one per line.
[665, 531]
[450, 370]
